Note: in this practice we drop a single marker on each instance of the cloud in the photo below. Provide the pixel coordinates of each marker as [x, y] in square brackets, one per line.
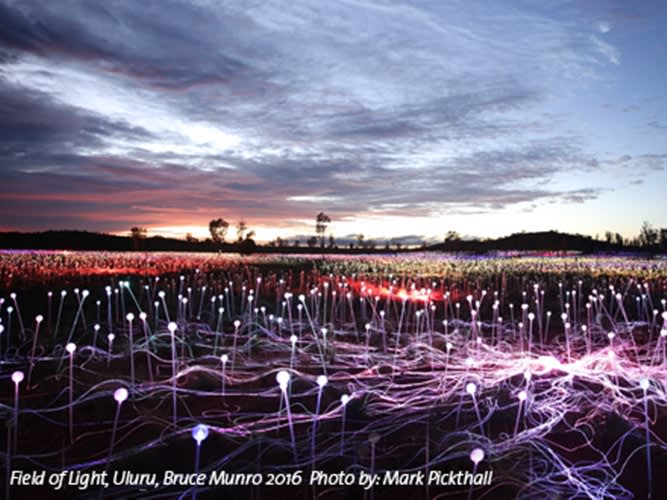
[130, 113]
[610, 52]
[604, 27]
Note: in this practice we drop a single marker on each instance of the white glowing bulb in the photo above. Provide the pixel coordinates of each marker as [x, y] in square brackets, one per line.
[120, 395]
[471, 388]
[224, 358]
[71, 347]
[17, 377]
[293, 339]
[130, 317]
[344, 399]
[477, 455]
[172, 326]
[282, 377]
[522, 395]
[644, 383]
[39, 318]
[322, 380]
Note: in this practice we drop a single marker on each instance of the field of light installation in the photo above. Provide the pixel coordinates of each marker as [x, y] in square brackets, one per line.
[548, 371]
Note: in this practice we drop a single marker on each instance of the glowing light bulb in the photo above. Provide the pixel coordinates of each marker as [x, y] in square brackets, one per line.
[322, 380]
[71, 347]
[120, 394]
[283, 377]
[477, 455]
[199, 432]
[17, 377]
[471, 388]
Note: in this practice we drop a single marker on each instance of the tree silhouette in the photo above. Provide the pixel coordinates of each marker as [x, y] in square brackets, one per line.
[241, 229]
[619, 239]
[138, 234]
[648, 235]
[218, 229]
[452, 236]
[321, 222]
[360, 240]
[312, 241]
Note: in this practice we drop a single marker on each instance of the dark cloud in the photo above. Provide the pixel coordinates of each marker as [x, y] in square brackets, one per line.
[172, 112]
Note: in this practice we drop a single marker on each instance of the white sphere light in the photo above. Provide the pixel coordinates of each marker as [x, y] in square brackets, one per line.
[120, 395]
[477, 455]
[322, 380]
[471, 388]
[17, 377]
[283, 377]
[71, 347]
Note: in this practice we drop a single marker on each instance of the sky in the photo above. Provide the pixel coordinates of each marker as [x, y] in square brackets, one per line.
[397, 119]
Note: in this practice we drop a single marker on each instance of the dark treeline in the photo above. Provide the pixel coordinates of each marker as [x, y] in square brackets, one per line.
[83, 240]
